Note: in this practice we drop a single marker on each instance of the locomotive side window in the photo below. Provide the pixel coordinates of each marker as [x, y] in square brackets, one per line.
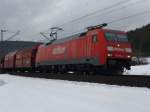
[94, 39]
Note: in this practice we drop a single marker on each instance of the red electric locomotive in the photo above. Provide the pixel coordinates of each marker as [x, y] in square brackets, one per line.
[97, 49]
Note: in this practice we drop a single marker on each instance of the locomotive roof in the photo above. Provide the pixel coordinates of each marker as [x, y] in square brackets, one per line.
[75, 36]
[78, 35]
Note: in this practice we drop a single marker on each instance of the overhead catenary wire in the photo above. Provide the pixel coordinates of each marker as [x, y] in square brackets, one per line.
[106, 10]
[121, 19]
[44, 36]
[97, 11]
[103, 11]
[119, 8]
[130, 16]
[14, 35]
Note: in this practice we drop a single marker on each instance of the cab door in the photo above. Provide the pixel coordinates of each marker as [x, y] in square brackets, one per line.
[88, 47]
[93, 49]
[92, 45]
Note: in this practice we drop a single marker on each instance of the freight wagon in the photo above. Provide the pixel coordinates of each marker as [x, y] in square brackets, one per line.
[25, 59]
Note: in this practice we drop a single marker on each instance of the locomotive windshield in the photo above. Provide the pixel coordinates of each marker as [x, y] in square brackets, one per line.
[116, 37]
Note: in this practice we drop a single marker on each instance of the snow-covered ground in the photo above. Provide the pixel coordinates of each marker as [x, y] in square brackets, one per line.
[140, 69]
[22, 94]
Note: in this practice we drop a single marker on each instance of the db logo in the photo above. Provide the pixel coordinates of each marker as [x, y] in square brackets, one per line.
[58, 50]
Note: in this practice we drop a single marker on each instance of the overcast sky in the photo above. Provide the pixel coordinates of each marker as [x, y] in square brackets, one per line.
[34, 16]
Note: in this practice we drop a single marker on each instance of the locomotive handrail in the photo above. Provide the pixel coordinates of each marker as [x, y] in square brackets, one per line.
[97, 26]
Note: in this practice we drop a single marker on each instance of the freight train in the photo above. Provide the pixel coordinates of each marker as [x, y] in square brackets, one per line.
[95, 50]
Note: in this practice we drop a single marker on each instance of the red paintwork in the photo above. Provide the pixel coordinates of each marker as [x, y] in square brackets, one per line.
[70, 50]
[83, 47]
[75, 49]
[18, 61]
[121, 53]
[26, 58]
[9, 60]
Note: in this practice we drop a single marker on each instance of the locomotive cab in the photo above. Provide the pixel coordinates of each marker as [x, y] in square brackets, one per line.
[118, 45]
[119, 51]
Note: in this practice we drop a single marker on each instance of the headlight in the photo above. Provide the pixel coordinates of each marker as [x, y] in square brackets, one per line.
[128, 50]
[110, 48]
[129, 56]
[109, 55]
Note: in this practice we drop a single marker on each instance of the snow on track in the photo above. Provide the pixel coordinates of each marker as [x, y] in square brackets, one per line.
[24, 94]
[139, 70]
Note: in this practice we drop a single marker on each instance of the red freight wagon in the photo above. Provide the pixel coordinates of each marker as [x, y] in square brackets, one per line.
[26, 58]
[9, 60]
[97, 47]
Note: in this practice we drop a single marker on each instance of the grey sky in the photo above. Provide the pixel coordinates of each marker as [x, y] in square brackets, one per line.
[34, 16]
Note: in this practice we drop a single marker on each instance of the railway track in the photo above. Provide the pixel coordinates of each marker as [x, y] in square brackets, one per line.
[122, 80]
